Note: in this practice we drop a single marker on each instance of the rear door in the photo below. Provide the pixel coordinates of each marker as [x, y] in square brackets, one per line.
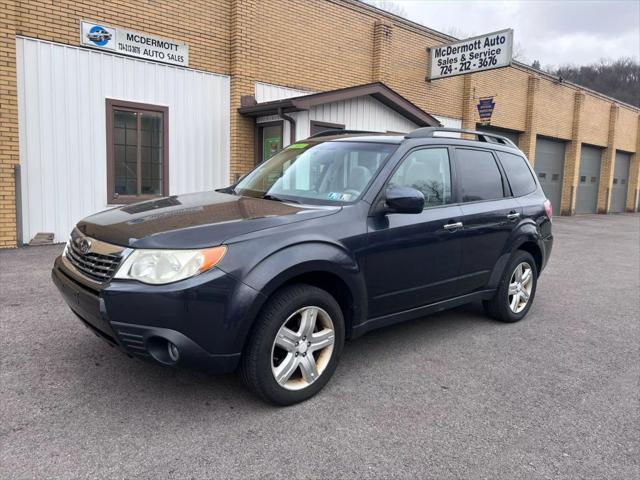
[413, 259]
[489, 214]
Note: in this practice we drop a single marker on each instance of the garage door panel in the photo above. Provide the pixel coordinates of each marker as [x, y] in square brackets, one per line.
[620, 183]
[549, 167]
[588, 179]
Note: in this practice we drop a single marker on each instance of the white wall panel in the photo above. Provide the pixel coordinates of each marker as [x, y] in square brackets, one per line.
[62, 92]
[266, 92]
[362, 113]
[449, 122]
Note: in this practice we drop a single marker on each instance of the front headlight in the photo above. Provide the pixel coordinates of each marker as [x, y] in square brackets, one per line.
[165, 266]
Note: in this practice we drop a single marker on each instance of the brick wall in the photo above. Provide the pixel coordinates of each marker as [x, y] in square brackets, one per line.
[509, 89]
[204, 25]
[316, 45]
[555, 110]
[8, 124]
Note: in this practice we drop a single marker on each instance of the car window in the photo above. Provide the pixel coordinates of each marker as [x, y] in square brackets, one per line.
[317, 172]
[427, 170]
[518, 173]
[480, 177]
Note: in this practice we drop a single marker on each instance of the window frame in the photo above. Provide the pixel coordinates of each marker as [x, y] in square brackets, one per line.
[506, 176]
[452, 173]
[114, 104]
[506, 188]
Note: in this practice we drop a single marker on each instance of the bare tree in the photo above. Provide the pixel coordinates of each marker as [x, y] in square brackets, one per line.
[388, 6]
[519, 53]
[617, 78]
[456, 32]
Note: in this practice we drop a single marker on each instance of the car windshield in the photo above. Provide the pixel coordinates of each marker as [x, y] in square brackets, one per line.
[317, 172]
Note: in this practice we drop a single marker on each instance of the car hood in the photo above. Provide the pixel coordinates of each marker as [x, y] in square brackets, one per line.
[195, 220]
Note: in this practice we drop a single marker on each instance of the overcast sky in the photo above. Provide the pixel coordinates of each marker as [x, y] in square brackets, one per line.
[554, 32]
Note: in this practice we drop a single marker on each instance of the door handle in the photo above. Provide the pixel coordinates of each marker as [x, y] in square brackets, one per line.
[513, 215]
[453, 226]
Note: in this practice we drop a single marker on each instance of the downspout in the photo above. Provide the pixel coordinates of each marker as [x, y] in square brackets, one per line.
[292, 125]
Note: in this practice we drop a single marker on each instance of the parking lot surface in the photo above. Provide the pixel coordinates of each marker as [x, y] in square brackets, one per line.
[454, 395]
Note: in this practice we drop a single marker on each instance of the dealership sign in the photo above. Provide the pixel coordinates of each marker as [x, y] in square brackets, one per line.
[135, 44]
[486, 52]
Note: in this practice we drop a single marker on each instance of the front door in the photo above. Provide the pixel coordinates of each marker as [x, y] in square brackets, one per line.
[412, 259]
[489, 214]
[270, 138]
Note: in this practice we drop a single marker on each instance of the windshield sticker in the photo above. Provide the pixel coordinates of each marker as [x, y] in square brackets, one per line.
[295, 146]
[339, 196]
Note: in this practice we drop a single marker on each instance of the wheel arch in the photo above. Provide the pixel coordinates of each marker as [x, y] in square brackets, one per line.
[524, 238]
[321, 265]
[534, 249]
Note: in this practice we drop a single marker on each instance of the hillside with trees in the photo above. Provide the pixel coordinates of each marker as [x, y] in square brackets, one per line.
[619, 79]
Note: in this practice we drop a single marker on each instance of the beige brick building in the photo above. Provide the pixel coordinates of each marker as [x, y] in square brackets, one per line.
[57, 95]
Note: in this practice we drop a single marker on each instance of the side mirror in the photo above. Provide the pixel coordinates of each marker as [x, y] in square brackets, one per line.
[404, 200]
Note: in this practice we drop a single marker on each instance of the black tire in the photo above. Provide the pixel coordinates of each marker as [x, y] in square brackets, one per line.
[256, 365]
[498, 307]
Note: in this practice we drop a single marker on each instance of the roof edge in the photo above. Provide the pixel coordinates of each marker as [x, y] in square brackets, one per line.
[377, 90]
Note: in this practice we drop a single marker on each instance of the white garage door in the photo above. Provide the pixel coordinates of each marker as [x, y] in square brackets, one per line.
[62, 93]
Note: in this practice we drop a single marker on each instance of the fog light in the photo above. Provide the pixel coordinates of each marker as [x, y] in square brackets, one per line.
[174, 353]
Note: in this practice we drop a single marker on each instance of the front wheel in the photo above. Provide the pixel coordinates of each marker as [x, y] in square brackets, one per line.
[295, 346]
[514, 295]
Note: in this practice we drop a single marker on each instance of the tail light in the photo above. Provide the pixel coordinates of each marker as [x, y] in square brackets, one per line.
[548, 208]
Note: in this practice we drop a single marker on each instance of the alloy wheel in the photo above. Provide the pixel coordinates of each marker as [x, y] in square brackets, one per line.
[520, 286]
[302, 348]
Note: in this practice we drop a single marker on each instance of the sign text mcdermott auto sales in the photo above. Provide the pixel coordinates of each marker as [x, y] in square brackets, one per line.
[135, 44]
[486, 52]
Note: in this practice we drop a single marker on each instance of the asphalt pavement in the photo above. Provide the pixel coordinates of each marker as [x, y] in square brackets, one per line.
[453, 395]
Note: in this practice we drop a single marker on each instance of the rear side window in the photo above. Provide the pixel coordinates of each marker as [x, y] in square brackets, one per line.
[480, 177]
[518, 173]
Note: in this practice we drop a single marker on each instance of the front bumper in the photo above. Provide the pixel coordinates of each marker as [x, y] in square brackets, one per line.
[206, 317]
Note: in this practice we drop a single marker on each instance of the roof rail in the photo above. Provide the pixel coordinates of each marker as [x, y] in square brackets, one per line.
[326, 133]
[428, 132]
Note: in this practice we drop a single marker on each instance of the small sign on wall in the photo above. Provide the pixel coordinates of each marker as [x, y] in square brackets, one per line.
[486, 52]
[485, 109]
[134, 44]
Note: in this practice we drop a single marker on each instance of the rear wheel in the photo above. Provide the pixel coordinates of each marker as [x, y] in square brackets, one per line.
[516, 290]
[295, 346]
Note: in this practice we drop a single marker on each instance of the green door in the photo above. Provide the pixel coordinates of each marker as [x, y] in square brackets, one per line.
[270, 139]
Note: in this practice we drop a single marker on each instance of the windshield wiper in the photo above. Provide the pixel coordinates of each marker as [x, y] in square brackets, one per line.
[278, 199]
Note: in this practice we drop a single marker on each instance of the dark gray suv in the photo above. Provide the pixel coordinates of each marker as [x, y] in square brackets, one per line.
[332, 237]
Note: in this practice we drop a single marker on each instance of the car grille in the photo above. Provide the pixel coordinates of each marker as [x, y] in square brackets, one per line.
[99, 267]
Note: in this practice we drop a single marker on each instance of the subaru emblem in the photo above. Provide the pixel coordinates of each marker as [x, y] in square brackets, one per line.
[85, 246]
